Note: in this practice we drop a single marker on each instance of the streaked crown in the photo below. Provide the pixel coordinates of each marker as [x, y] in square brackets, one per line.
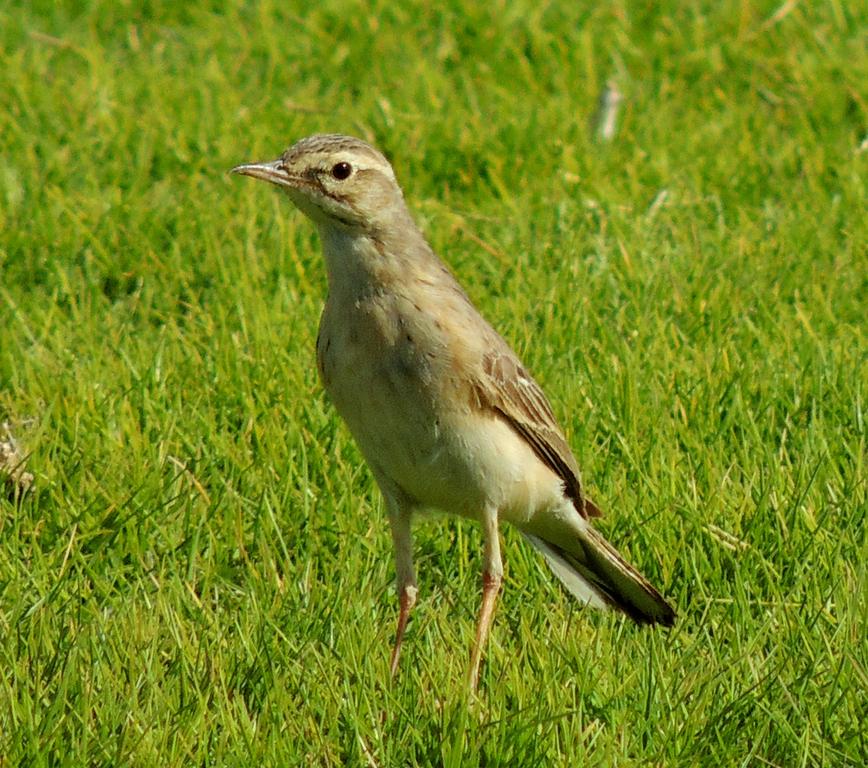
[336, 180]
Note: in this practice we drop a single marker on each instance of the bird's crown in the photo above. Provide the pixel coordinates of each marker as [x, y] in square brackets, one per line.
[334, 179]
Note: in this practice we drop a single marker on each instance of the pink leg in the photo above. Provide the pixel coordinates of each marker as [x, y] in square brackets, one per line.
[490, 588]
[491, 577]
[407, 600]
[403, 541]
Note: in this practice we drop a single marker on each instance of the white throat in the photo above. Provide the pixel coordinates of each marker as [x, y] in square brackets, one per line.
[353, 261]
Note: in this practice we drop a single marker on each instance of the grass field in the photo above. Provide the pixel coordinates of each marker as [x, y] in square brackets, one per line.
[201, 572]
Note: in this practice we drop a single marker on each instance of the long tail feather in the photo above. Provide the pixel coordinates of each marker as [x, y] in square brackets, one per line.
[596, 574]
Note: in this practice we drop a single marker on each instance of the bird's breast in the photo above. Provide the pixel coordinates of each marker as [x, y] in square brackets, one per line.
[372, 363]
[399, 379]
[386, 372]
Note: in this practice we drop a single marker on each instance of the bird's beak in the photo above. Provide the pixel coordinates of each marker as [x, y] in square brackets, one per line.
[274, 171]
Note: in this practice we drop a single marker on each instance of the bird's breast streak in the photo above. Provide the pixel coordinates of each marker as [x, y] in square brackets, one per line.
[384, 392]
[432, 454]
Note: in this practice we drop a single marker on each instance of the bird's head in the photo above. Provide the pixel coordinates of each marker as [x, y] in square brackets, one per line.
[337, 181]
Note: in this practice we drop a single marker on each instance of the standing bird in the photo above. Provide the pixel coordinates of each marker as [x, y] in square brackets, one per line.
[444, 412]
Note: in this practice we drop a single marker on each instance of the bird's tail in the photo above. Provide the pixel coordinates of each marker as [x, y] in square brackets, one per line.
[593, 571]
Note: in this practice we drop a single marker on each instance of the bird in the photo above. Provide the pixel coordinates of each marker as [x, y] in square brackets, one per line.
[445, 414]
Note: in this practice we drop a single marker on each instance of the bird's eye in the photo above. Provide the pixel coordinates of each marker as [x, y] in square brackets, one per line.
[342, 171]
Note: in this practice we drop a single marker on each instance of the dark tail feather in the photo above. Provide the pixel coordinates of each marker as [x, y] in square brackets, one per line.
[597, 575]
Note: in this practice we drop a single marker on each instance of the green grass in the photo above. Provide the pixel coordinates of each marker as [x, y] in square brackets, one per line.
[202, 573]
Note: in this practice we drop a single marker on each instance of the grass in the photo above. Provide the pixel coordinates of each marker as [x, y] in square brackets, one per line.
[201, 572]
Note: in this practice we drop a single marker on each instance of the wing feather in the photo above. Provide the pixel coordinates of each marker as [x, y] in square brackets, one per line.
[510, 390]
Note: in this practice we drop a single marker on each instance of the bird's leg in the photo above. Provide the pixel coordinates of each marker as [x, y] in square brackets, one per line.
[407, 599]
[402, 538]
[491, 576]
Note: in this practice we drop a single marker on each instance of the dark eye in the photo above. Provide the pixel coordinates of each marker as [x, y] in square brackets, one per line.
[342, 171]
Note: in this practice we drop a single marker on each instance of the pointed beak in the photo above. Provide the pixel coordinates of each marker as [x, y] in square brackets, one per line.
[274, 171]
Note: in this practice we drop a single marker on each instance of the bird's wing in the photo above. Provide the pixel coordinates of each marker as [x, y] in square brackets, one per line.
[508, 389]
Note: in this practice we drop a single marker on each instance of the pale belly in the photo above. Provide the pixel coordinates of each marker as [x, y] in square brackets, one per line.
[418, 436]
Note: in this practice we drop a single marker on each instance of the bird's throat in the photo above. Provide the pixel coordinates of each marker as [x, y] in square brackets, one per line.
[357, 264]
